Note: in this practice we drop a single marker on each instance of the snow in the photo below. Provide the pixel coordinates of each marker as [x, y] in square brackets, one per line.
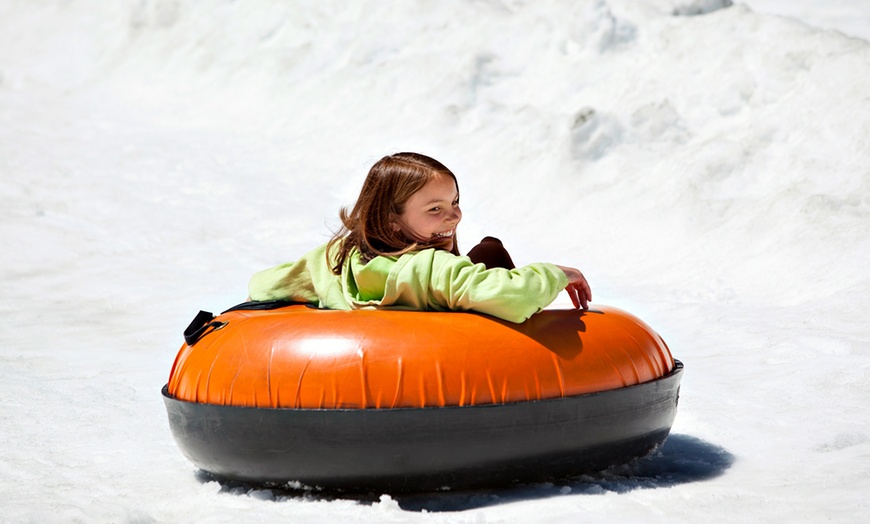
[709, 173]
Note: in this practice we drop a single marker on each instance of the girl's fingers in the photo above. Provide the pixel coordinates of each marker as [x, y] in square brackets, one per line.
[579, 296]
[582, 298]
[574, 298]
[586, 294]
[578, 288]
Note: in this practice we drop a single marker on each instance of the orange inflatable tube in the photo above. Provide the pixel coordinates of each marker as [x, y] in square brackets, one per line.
[300, 357]
[406, 400]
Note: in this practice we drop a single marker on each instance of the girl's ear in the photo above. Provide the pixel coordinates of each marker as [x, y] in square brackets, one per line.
[394, 225]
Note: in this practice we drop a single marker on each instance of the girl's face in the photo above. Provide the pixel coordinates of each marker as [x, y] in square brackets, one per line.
[432, 212]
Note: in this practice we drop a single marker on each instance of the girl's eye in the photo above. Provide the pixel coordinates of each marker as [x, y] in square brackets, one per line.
[456, 202]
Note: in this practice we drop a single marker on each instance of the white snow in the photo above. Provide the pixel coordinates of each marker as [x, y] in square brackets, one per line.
[708, 173]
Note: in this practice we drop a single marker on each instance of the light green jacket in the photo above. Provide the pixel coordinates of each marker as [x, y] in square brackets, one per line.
[427, 280]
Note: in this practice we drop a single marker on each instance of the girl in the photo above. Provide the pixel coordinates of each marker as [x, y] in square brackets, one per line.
[397, 249]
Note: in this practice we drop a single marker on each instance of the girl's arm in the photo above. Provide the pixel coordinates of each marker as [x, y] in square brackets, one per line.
[437, 280]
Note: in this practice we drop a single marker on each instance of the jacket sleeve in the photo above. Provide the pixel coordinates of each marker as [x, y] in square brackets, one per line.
[288, 281]
[308, 279]
[456, 284]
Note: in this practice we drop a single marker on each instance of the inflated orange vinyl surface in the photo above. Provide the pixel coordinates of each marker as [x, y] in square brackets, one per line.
[299, 357]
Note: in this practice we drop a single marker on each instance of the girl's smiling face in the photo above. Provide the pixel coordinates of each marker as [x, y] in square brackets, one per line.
[431, 213]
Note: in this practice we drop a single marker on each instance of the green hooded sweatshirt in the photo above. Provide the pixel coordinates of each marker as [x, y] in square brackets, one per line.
[427, 280]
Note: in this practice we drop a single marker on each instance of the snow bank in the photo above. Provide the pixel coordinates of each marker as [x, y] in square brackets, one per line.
[708, 173]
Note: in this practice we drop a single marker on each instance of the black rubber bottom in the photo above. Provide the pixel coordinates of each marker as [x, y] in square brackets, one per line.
[427, 448]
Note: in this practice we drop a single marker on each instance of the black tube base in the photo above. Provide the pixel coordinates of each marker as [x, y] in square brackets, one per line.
[427, 449]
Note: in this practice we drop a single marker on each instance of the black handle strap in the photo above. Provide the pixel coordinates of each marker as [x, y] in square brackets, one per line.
[203, 323]
[265, 304]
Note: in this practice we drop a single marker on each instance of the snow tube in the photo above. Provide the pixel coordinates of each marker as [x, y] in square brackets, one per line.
[411, 401]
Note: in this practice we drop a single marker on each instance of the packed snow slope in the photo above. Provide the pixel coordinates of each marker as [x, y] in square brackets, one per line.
[707, 167]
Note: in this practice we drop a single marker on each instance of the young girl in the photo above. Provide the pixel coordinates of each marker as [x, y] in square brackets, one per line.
[397, 249]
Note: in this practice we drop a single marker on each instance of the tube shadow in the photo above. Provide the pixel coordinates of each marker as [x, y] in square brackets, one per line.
[681, 459]
[554, 330]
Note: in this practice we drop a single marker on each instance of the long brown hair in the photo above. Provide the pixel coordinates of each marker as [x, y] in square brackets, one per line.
[386, 190]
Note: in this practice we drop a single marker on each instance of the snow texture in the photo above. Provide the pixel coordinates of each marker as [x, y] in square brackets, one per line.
[708, 173]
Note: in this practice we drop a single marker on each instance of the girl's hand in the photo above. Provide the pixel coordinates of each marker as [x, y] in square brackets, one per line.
[578, 289]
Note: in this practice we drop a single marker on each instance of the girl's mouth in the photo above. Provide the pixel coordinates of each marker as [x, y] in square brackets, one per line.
[446, 234]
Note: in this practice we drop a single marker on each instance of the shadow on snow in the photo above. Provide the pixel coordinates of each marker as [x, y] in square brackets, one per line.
[681, 460]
